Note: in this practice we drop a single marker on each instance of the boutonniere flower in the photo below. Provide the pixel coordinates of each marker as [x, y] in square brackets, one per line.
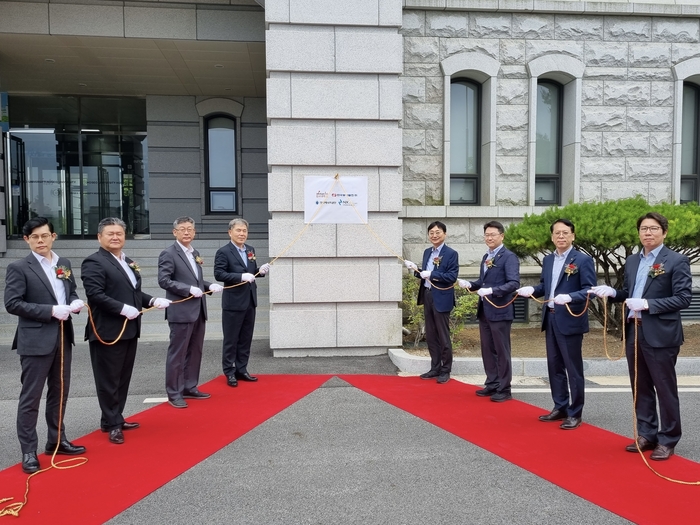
[63, 273]
[135, 267]
[436, 261]
[199, 260]
[570, 269]
[251, 256]
[489, 263]
[656, 269]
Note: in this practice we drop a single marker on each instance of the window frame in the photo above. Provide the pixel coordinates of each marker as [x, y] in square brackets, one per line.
[556, 178]
[477, 146]
[695, 177]
[208, 188]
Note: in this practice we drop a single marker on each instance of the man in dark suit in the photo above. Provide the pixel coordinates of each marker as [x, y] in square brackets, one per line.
[656, 287]
[180, 275]
[436, 294]
[235, 264]
[112, 284]
[567, 275]
[40, 290]
[499, 277]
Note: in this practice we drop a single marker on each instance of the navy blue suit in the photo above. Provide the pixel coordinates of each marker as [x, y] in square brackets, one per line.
[495, 323]
[563, 331]
[659, 340]
[437, 305]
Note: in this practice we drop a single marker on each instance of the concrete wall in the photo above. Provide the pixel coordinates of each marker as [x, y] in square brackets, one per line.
[334, 106]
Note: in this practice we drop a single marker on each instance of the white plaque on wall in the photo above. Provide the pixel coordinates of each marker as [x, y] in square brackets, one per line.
[335, 200]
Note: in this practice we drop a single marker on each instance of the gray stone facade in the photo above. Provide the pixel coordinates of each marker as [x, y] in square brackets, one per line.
[622, 112]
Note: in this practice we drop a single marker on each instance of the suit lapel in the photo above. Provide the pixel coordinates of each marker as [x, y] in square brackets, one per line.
[35, 266]
[185, 260]
[660, 259]
[113, 261]
[66, 282]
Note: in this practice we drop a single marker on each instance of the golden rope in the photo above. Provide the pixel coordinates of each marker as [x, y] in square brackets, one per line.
[13, 509]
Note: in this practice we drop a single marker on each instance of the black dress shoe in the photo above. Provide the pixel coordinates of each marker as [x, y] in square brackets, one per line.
[116, 436]
[195, 394]
[443, 378]
[246, 377]
[231, 381]
[485, 392]
[130, 426]
[661, 453]
[30, 463]
[554, 415]
[644, 444]
[500, 397]
[429, 375]
[177, 403]
[66, 448]
[571, 423]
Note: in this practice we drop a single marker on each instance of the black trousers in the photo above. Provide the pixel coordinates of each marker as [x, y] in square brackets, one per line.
[112, 367]
[495, 353]
[238, 329]
[655, 377]
[437, 334]
[37, 371]
[565, 360]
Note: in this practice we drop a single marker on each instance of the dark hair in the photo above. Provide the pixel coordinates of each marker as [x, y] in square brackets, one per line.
[494, 224]
[663, 221]
[33, 224]
[566, 222]
[110, 221]
[439, 224]
[182, 220]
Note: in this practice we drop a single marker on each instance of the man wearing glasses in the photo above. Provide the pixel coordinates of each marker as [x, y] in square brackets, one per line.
[180, 275]
[567, 275]
[40, 291]
[499, 276]
[656, 287]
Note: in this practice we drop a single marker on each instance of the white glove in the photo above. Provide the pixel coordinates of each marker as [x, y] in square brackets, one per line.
[248, 277]
[162, 304]
[264, 269]
[60, 312]
[130, 312]
[483, 292]
[562, 298]
[525, 291]
[636, 305]
[77, 305]
[464, 284]
[411, 265]
[425, 274]
[197, 292]
[603, 291]
[216, 288]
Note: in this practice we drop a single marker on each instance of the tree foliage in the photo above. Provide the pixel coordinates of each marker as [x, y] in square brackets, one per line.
[607, 231]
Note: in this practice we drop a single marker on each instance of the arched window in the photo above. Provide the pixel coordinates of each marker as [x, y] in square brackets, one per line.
[465, 104]
[689, 143]
[220, 147]
[548, 143]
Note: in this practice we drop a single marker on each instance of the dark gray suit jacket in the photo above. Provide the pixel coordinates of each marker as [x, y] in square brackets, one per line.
[30, 296]
[667, 294]
[175, 276]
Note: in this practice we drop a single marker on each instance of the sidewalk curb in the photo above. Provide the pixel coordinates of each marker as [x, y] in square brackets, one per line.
[530, 367]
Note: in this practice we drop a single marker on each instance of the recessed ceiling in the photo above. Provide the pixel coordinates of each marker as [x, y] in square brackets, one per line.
[77, 65]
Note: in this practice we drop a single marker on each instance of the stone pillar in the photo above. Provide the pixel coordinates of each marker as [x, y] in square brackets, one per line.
[334, 106]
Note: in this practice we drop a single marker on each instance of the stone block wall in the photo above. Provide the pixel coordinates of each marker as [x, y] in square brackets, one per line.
[627, 108]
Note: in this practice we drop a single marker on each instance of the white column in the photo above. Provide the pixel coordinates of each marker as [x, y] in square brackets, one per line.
[334, 106]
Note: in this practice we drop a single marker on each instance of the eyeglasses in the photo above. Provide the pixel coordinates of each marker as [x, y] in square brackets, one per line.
[652, 229]
[561, 234]
[43, 236]
[490, 235]
[185, 230]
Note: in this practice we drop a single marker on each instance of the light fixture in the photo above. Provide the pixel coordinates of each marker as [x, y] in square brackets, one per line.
[49, 60]
[88, 130]
[30, 130]
[80, 84]
[219, 66]
[227, 89]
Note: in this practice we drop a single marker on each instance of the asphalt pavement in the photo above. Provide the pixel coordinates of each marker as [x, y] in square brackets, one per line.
[340, 455]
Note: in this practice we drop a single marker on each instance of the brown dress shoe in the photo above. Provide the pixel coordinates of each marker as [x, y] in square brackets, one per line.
[116, 436]
[644, 444]
[661, 453]
[554, 415]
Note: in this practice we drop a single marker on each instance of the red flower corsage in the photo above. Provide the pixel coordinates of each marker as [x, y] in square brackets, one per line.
[570, 269]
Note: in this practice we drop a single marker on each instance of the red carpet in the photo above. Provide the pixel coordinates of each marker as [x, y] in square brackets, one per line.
[589, 462]
[117, 476]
